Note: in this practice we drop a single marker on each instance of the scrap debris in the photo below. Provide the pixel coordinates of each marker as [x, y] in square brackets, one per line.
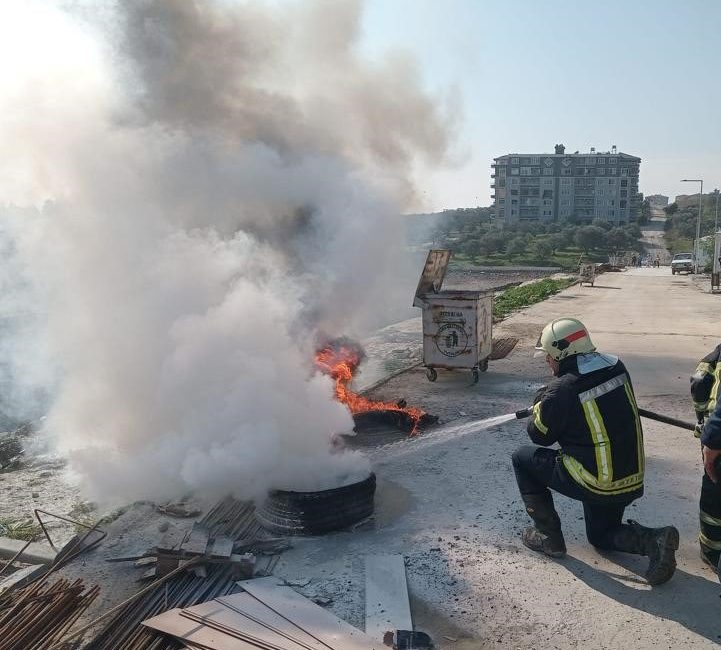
[266, 615]
[36, 617]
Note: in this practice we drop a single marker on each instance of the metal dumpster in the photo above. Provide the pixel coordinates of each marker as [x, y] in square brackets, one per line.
[457, 325]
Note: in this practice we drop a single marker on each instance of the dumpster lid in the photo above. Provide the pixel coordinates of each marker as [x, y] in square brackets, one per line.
[433, 274]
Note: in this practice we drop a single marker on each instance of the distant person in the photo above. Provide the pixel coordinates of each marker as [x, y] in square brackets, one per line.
[590, 410]
[633, 260]
[657, 261]
[705, 384]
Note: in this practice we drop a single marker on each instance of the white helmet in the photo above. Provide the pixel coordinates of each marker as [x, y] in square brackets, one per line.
[564, 337]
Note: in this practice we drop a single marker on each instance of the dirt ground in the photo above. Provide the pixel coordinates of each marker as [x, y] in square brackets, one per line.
[449, 504]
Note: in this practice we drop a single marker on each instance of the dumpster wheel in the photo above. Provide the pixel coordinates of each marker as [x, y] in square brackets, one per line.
[476, 375]
[431, 374]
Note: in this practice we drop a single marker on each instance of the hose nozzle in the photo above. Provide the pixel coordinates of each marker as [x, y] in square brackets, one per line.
[524, 413]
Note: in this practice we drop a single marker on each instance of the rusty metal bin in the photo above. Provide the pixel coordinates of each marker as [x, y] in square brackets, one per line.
[457, 325]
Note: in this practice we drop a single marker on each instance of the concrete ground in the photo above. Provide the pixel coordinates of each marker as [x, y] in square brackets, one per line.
[450, 504]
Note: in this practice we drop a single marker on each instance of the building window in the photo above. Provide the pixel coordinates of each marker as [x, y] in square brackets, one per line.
[514, 171]
[622, 204]
[535, 160]
[514, 192]
[624, 171]
[501, 171]
[612, 161]
[601, 161]
[514, 201]
[548, 181]
[590, 161]
[601, 171]
[611, 181]
[599, 191]
[624, 182]
[548, 172]
[501, 201]
[612, 171]
[514, 161]
[525, 171]
[514, 181]
[566, 171]
[535, 171]
[624, 192]
[513, 212]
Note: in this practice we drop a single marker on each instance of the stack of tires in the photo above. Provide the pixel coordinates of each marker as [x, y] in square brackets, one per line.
[316, 513]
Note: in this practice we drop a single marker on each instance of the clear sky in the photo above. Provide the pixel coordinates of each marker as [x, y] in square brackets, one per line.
[641, 74]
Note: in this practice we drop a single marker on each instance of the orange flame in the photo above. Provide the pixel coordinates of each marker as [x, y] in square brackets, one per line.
[340, 364]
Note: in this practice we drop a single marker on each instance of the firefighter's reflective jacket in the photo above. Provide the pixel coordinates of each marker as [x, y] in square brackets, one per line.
[594, 419]
[705, 383]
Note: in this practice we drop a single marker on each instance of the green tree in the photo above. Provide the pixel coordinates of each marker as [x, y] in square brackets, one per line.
[671, 209]
[590, 237]
[543, 249]
[557, 242]
[516, 246]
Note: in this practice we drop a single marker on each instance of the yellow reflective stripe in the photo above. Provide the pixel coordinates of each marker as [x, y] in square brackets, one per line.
[587, 480]
[537, 422]
[703, 368]
[708, 519]
[716, 546]
[713, 398]
[639, 431]
[601, 442]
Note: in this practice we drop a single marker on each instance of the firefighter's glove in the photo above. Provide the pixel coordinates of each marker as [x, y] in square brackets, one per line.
[698, 429]
[539, 394]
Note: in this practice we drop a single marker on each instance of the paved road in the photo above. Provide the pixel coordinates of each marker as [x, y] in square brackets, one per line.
[453, 510]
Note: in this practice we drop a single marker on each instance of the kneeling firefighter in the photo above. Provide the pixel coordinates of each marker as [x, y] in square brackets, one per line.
[590, 410]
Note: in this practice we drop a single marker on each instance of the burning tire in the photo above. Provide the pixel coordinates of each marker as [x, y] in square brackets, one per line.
[314, 513]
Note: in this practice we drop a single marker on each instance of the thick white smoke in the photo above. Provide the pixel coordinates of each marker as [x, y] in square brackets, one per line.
[194, 191]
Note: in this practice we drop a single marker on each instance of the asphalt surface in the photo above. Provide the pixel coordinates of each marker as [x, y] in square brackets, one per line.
[451, 507]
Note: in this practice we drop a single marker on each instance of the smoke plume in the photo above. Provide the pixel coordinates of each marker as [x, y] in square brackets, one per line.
[194, 191]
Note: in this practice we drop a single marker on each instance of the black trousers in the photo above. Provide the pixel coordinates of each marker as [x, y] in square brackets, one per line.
[710, 516]
[538, 469]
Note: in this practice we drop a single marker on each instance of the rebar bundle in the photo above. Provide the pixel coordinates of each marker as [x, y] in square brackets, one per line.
[37, 616]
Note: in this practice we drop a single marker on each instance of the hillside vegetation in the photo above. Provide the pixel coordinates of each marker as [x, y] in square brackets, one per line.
[474, 240]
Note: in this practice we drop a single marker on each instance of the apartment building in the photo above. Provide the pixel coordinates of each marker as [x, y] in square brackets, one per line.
[563, 187]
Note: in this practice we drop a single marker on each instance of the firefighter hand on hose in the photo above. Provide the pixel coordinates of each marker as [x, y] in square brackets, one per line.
[704, 392]
[589, 409]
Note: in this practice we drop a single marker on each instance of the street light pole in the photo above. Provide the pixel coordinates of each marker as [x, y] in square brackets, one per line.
[715, 223]
[698, 221]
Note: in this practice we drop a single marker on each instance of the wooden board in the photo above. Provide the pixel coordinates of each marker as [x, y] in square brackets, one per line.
[324, 626]
[387, 607]
[222, 547]
[196, 543]
[195, 634]
[232, 622]
[251, 607]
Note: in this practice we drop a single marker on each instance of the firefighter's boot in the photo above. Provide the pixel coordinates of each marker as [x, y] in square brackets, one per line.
[658, 544]
[546, 535]
[712, 559]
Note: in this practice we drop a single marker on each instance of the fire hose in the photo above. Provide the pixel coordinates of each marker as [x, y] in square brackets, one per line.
[650, 415]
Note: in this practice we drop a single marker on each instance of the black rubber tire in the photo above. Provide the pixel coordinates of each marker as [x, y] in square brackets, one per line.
[432, 374]
[315, 513]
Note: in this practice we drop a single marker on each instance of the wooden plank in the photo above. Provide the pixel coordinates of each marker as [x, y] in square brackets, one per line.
[195, 634]
[252, 608]
[196, 543]
[215, 613]
[309, 617]
[387, 607]
[222, 547]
